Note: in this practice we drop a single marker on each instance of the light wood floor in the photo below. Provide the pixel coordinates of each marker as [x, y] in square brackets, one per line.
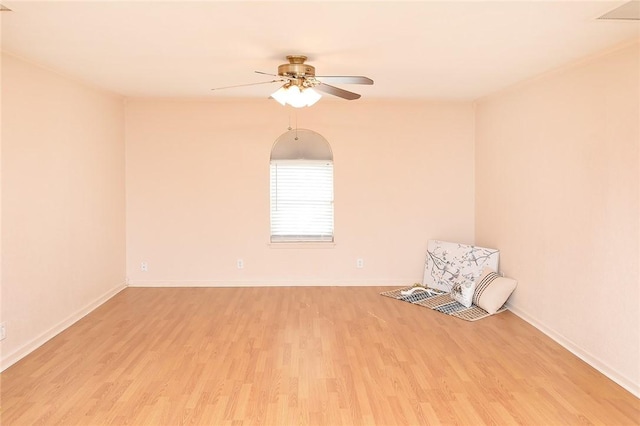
[298, 356]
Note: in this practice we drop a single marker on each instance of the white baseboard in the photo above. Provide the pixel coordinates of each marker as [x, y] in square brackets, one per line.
[584, 355]
[8, 360]
[270, 283]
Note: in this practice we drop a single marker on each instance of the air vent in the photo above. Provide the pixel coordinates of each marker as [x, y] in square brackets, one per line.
[629, 11]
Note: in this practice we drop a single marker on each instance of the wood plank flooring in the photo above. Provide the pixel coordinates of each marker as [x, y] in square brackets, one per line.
[302, 356]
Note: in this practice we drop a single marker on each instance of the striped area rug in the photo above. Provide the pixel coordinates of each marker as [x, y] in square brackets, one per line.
[441, 302]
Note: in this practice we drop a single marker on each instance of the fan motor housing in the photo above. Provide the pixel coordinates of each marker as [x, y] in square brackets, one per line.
[296, 67]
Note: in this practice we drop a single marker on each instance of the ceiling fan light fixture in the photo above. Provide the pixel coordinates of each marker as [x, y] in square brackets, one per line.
[311, 95]
[280, 96]
[296, 97]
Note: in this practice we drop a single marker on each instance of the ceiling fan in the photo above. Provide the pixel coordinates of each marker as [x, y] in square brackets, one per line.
[301, 83]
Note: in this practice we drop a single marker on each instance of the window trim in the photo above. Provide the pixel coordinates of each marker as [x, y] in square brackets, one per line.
[302, 244]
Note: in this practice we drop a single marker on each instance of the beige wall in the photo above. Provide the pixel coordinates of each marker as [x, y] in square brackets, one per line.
[63, 230]
[557, 176]
[198, 185]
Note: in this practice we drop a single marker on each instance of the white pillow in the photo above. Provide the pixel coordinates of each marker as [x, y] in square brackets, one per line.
[463, 291]
[492, 290]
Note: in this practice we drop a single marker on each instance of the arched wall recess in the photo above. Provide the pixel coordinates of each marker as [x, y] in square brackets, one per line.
[301, 144]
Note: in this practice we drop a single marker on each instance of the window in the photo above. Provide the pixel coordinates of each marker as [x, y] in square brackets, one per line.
[301, 200]
[301, 188]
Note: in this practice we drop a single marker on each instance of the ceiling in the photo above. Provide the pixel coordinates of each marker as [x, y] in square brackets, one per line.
[445, 50]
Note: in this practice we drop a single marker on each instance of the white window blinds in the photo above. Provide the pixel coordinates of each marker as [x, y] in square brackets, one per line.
[301, 200]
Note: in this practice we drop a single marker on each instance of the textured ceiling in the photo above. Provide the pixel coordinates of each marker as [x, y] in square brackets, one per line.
[458, 50]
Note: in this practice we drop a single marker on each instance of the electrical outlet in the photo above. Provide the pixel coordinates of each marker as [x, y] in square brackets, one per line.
[359, 263]
[240, 263]
[144, 267]
[3, 331]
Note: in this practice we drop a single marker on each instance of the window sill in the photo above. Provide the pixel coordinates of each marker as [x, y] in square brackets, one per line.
[302, 245]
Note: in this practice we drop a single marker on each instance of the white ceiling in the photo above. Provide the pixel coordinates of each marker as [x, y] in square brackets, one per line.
[458, 50]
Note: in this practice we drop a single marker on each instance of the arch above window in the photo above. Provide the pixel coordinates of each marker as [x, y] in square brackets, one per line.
[301, 144]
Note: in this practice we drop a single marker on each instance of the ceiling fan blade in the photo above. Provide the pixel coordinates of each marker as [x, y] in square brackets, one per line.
[283, 77]
[335, 91]
[249, 84]
[266, 73]
[345, 79]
